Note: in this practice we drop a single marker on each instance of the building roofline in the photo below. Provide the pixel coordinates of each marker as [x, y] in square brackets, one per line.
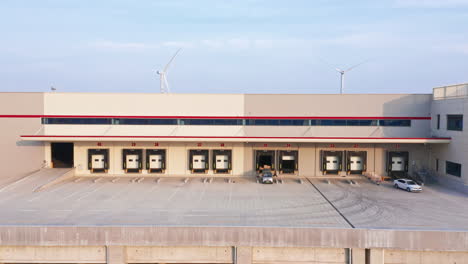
[226, 117]
[169, 94]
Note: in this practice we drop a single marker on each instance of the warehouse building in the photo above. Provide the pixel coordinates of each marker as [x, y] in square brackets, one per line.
[105, 178]
[236, 134]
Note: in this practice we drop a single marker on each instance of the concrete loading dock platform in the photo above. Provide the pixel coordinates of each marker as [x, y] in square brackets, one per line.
[243, 202]
[317, 209]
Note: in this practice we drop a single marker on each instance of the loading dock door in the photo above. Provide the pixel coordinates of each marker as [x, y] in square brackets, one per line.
[356, 162]
[222, 160]
[288, 161]
[98, 160]
[198, 160]
[62, 155]
[132, 160]
[264, 158]
[156, 160]
[398, 164]
[331, 161]
[398, 161]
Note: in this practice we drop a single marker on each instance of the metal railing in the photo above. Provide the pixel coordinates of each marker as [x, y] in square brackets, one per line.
[451, 91]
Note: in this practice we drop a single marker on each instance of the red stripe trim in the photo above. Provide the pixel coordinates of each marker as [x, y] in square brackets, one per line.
[220, 137]
[227, 117]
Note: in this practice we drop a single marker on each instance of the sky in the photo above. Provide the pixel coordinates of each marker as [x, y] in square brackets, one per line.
[243, 46]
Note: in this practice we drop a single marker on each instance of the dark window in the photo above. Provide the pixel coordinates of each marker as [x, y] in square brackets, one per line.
[332, 122]
[225, 122]
[361, 122]
[438, 122]
[263, 122]
[399, 123]
[215, 122]
[144, 121]
[453, 168]
[437, 164]
[455, 122]
[293, 122]
[76, 121]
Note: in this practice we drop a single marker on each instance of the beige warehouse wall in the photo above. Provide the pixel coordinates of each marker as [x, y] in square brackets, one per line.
[238, 104]
[19, 158]
[357, 105]
[307, 159]
[346, 105]
[152, 104]
[338, 105]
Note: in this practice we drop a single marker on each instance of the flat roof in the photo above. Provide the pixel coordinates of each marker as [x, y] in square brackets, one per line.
[92, 201]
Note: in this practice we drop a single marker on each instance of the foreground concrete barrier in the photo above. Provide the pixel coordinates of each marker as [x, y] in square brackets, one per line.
[233, 236]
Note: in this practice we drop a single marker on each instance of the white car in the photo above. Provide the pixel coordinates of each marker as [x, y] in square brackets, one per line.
[408, 185]
[267, 177]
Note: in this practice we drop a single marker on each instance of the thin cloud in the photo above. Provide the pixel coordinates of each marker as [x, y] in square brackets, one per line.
[430, 3]
[177, 44]
[121, 46]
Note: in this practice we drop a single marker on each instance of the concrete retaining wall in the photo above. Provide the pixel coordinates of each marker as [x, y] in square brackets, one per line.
[234, 236]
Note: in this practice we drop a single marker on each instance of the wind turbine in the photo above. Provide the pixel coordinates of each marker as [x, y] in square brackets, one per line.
[162, 75]
[342, 72]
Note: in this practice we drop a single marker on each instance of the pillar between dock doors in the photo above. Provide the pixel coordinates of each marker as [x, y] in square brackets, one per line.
[116, 255]
[243, 255]
[375, 255]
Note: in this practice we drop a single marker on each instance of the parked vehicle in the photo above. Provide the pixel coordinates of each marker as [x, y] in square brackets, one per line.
[266, 176]
[408, 185]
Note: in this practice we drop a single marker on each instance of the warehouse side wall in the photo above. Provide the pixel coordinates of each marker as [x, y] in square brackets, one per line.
[457, 150]
[19, 158]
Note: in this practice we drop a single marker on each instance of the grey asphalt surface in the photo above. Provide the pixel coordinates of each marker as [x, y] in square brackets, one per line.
[367, 205]
[173, 202]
